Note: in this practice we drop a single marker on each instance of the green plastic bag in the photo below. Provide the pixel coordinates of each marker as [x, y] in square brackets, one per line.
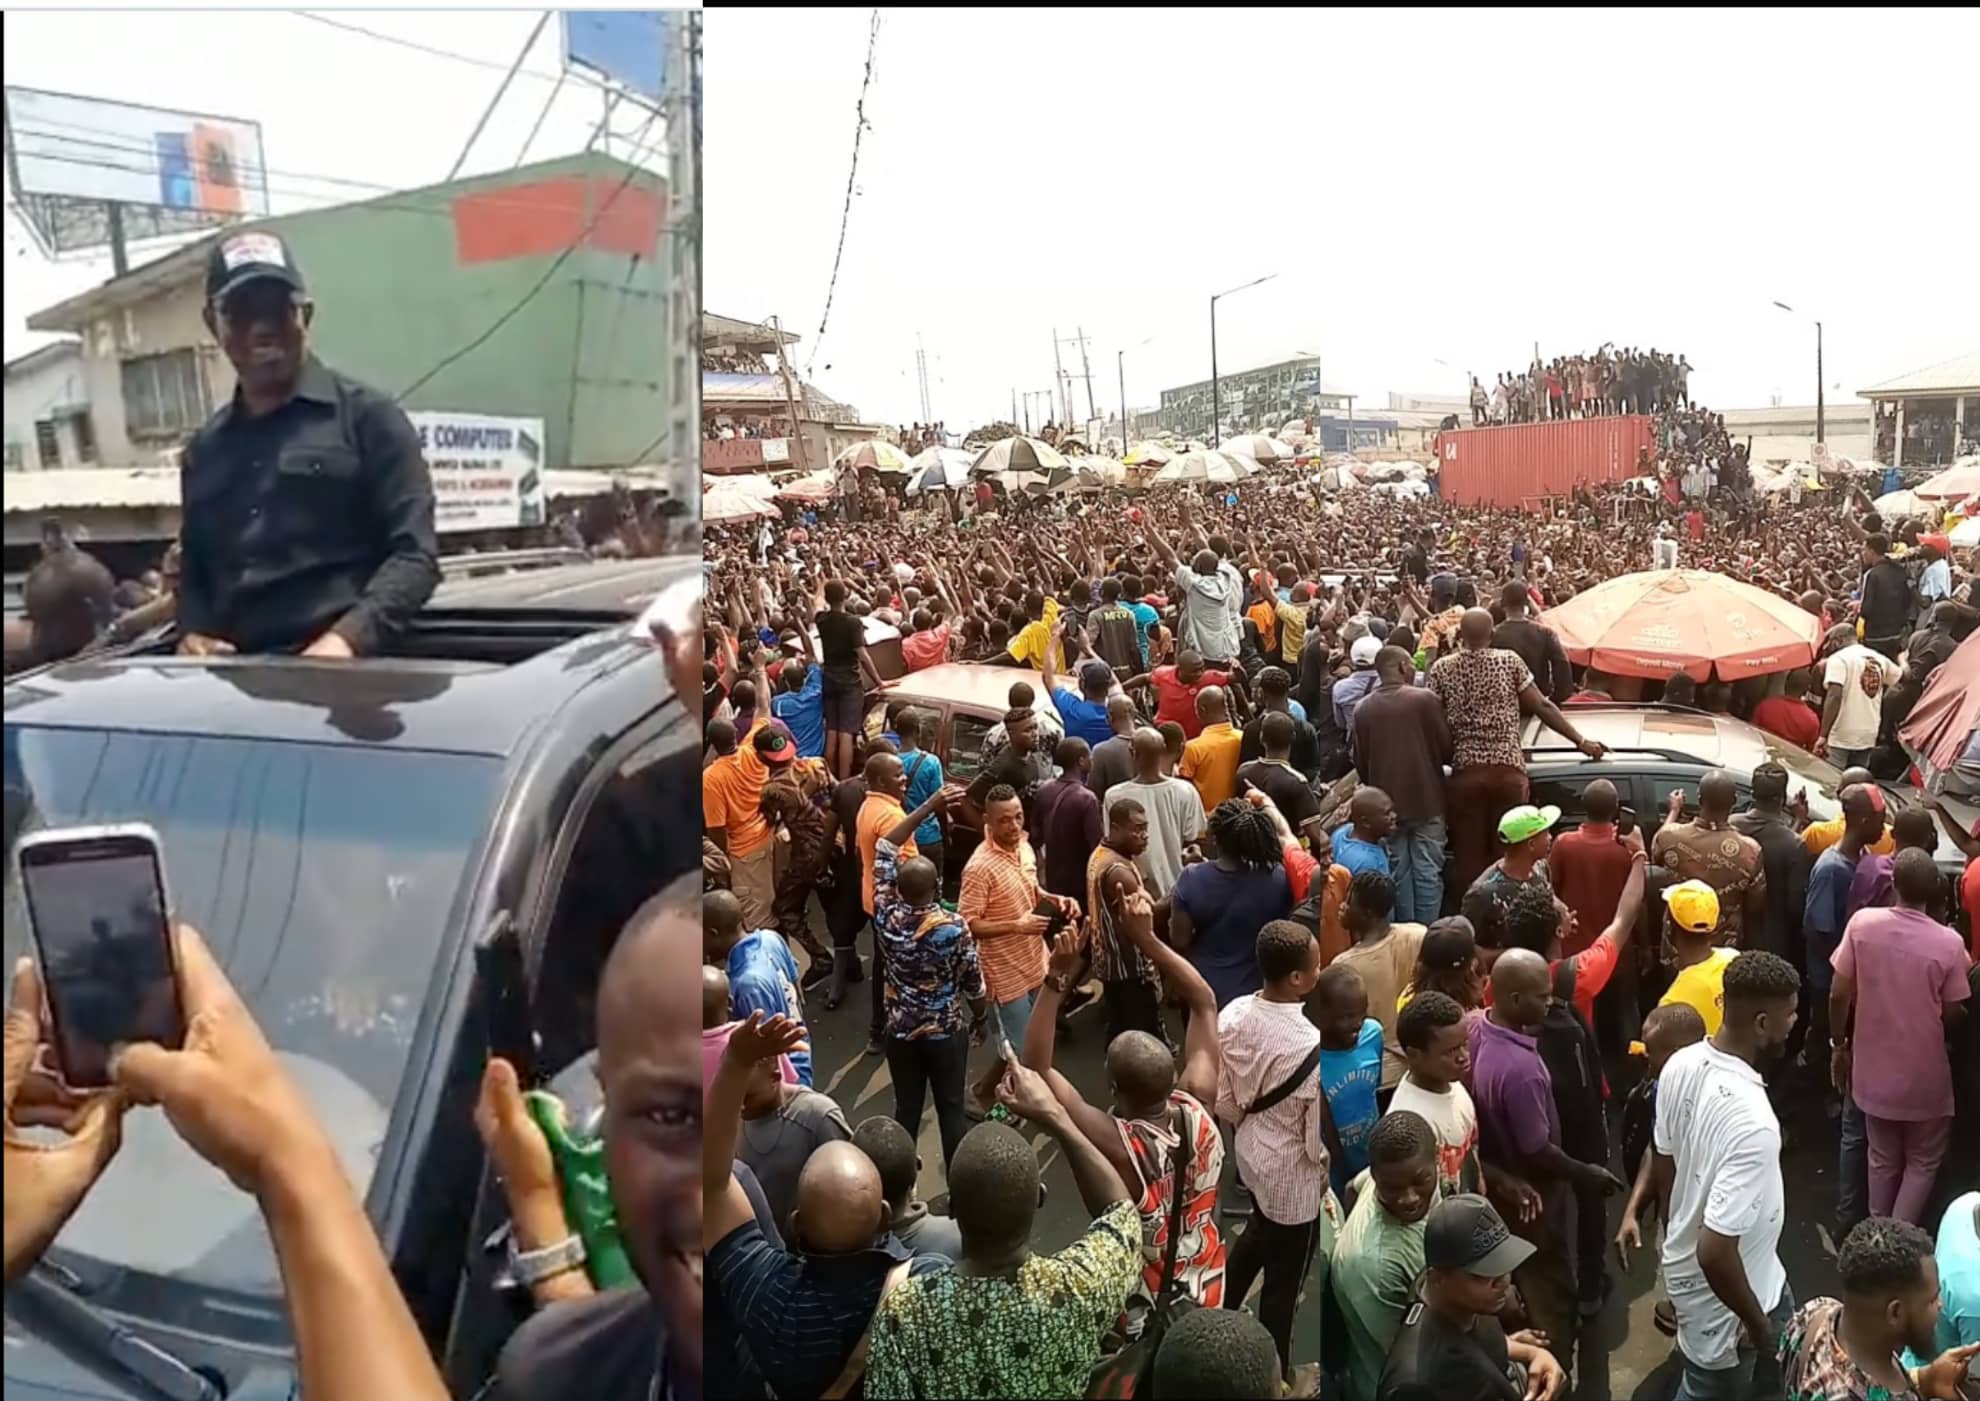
[587, 1191]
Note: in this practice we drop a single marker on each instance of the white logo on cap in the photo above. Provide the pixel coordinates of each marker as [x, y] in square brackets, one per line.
[253, 248]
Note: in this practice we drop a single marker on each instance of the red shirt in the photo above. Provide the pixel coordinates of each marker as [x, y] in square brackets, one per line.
[1694, 524]
[1969, 896]
[1177, 702]
[1792, 720]
[1588, 868]
[926, 648]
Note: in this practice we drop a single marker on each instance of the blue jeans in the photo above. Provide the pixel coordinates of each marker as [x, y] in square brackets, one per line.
[1751, 1378]
[1852, 1167]
[1849, 758]
[1416, 854]
[1014, 1016]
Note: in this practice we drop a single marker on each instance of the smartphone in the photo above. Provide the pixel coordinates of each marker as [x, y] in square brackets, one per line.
[100, 918]
[1056, 918]
[1625, 820]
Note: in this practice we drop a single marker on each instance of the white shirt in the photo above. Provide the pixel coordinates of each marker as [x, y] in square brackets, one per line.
[1175, 818]
[1862, 706]
[1936, 582]
[1664, 553]
[1713, 1118]
[1455, 1120]
[1281, 1151]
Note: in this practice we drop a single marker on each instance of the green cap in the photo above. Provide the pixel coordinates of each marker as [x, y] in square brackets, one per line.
[1523, 823]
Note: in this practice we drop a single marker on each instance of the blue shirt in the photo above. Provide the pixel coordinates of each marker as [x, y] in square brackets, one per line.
[1228, 909]
[763, 977]
[1958, 1253]
[1827, 907]
[1349, 1079]
[803, 713]
[1084, 719]
[924, 776]
[1358, 856]
[1295, 709]
[1144, 619]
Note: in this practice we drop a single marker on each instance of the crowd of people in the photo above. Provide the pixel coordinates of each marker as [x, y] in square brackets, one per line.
[733, 362]
[1382, 1035]
[1610, 381]
[728, 430]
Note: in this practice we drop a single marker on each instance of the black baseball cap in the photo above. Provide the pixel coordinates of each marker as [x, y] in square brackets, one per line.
[1463, 1232]
[237, 259]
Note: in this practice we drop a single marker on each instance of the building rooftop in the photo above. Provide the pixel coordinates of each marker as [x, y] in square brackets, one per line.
[42, 355]
[1959, 375]
[726, 330]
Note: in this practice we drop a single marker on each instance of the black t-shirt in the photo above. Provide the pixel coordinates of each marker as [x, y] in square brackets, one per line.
[1432, 1361]
[840, 636]
[1018, 771]
[1416, 563]
[1290, 793]
[1305, 748]
[605, 1347]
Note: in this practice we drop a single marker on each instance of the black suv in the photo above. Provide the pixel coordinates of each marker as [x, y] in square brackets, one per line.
[401, 862]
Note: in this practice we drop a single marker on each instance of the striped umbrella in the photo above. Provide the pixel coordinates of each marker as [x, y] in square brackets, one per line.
[1261, 448]
[1019, 455]
[1148, 454]
[880, 456]
[938, 467]
[723, 502]
[1209, 465]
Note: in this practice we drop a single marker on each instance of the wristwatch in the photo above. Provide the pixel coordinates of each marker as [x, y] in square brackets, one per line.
[1058, 982]
[532, 1267]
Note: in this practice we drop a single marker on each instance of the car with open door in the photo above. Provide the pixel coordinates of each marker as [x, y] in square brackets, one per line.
[402, 862]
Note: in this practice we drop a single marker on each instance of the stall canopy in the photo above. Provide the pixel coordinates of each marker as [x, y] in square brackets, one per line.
[1659, 622]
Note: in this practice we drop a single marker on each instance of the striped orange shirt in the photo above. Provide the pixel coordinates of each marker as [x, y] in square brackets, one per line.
[1000, 886]
[878, 816]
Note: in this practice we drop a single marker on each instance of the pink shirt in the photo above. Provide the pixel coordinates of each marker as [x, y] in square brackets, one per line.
[715, 1040]
[1907, 967]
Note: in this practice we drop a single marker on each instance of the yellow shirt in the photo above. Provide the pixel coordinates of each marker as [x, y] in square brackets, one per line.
[1292, 633]
[1703, 986]
[1210, 761]
[1818, 837]
[1033, 638]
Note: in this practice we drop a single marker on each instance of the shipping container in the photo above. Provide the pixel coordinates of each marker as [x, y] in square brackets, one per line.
[1523, 464]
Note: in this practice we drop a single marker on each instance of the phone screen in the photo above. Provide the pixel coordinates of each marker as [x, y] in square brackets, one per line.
[97, 909]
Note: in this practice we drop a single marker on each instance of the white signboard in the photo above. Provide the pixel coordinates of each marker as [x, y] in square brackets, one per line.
[91, 148]
[776, 449]
[487, 471]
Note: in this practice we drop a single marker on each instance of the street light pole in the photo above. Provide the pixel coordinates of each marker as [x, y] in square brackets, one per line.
[1820, 415]
[1216, 408]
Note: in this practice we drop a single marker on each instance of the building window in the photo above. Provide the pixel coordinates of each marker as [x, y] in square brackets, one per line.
[46, 445]
[16, 456]
[85, 431]
[164, 395]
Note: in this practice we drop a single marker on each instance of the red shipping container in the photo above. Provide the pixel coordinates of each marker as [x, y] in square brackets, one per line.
[1521, 464]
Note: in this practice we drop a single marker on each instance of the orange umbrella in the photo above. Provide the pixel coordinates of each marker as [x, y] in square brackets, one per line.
[1941, 725]
[1669, 620]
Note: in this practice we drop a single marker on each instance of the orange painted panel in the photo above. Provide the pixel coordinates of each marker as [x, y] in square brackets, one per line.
[547, 216]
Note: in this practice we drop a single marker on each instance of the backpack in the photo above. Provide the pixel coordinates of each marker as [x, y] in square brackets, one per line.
[1567, 1046]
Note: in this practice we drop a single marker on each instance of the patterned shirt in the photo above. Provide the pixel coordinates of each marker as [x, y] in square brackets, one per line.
[1814, 1366]
[931, 960]
[1037, 1333]
[1480, 691]
[1200, 1256]
[1115, 960]
[1728, 861]
[1281, 1150]
[999, 886]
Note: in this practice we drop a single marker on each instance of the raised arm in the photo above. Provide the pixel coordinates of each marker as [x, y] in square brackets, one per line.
[1203, 1061]
[1040, 1039]
[726, 1206]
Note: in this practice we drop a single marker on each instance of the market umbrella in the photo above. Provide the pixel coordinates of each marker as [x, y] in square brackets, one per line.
[938, 467]
[1962, 479]
[1019, 455]
[1148, 454]
[722, 502]
[818, 486]
[750, 484]
[1941, 724]
[1668, 620]
[880, 456]
[1966, 533]
[1901, 505]
[1261, 448]
[1209, 465]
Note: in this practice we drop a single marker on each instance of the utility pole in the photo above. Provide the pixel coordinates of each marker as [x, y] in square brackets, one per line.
[921, 372]
[1092, 410]
[1014, 417]
[681, 35]
[790, 393]
[1059, 377]
[1120, 374]
[1819, 424]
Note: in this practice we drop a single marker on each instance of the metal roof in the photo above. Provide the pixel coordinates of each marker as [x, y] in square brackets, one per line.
[42, 355]
[724, 330]
[59, 488]
[1959, 375]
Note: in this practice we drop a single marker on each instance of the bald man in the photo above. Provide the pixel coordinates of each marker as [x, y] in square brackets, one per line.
[1113, 758]
[1486, 692]
[1210, 761]
[1176, 816]
[1710, 849]
[803, 1312]
[627, 1343]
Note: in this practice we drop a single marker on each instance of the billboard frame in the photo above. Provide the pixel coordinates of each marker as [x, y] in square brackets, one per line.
[610, 80]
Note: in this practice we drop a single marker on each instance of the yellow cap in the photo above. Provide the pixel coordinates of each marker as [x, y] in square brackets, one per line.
[1694, 906]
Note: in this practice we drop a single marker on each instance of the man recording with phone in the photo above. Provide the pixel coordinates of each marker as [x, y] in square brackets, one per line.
[307, 503]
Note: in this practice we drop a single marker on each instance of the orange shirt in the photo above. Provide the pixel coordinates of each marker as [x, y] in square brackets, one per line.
[878, 816]
[1266, 615]
[1818, 837]
[1302, 869]
[999, 886]
[1210, 761]
[732, 797]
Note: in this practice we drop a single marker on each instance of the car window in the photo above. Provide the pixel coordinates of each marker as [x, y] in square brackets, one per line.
[966, 736]
[1565, 794]
[1661, 786]
[325, 903]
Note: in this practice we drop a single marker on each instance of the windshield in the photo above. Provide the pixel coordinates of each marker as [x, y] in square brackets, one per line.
[322, 877]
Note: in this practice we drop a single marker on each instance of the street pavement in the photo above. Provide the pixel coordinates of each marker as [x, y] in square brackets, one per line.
[1626, 1356]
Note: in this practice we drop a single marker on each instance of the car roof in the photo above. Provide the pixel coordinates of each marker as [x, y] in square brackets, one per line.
[621, 587]
[444, 706]
[1718, 741]
[977, 685]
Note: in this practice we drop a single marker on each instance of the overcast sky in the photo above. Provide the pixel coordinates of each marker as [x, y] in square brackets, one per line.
[1428, 186]
[331, 103]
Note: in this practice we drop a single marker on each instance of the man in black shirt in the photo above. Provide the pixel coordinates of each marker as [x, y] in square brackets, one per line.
[1416, 559]
[1275, 696]
[1887, 609]
[1450, 1347]
[842, 641]
[307, 504]
[1539, 647]
[1274, 775]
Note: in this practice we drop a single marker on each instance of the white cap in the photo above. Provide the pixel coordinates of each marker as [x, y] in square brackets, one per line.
[1364, 650]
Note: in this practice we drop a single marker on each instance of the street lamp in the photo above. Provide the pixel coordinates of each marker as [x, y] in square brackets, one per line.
[1120, 376]
[1819, 425]
[1216, 410]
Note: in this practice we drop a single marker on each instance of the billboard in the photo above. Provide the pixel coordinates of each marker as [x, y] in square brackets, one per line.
[487, 471]
[71, 159]
[629, 47]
